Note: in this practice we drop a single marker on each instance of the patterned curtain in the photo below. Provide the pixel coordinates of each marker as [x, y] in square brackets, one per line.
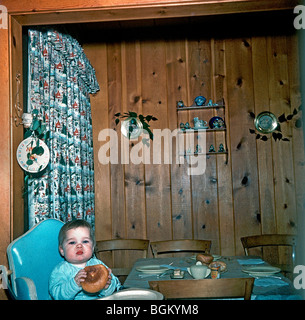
[60, 80]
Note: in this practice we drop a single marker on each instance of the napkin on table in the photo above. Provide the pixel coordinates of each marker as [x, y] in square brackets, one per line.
[269, 281]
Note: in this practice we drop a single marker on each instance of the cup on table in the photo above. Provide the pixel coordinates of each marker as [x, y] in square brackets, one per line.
[198, 271]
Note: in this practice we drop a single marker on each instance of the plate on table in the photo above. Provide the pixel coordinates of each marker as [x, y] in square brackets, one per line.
[261, 270]
[135, 294]
[152, 269]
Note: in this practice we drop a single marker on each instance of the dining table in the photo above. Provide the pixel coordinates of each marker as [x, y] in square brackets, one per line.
[268, 285]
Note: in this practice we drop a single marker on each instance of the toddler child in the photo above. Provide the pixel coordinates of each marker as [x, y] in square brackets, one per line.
[76, 245]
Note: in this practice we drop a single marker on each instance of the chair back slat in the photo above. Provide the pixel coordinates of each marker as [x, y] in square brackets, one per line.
[272, 242]
[183, 245]
[115, 245]
[205, 288]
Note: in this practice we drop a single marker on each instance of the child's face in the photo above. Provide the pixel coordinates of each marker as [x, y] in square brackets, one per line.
[77, 247]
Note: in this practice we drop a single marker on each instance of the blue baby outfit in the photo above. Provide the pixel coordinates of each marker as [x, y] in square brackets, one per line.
[62, 285]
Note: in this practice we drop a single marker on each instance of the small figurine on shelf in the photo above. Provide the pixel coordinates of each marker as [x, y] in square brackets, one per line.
[211, 149]
[187, 126]
[198, 149]
[200, 101]
[182, 126]
[180, 104]
[221, 148]
[200, 124]
[210, 103]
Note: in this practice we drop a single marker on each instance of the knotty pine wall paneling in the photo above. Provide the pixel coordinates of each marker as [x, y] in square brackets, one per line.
[157, 176]
[284, 186]
[267, 211]
[258, 190]
[224, 173]
[243, 145]
[177, 89]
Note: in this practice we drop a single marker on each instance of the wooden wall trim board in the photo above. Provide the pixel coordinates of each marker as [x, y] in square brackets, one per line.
[242, 196]
[16, 67]
[5, 146]
[139, 9]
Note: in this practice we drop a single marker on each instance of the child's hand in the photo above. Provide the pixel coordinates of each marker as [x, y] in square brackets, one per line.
[80, 277]
[109, 279]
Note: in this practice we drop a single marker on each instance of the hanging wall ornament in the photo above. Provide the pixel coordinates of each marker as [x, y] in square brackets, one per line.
[131, 128]
[267, 123]
[134, 124]
[33, 155]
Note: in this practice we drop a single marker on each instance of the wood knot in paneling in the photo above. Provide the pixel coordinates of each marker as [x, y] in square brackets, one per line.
[251, 114]
[213, 180]
[239, 82]
[162, 12]
[177, 217]
[245, 181]
[136, 99]
[239, 145]
[133, 181]
[258, 217]
[246, 44]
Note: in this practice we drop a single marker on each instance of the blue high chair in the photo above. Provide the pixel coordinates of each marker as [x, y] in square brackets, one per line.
[31, 258]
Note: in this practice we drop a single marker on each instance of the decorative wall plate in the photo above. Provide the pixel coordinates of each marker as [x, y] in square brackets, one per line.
[33, 155]
[131, 128]
[200, 100]
[266, 122]
[216, 123]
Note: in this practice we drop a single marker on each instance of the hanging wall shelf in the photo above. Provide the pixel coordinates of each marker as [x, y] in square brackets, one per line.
[216, 125]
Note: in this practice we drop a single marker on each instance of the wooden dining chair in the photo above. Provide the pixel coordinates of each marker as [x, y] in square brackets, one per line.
[273, 240]
[205, 288]
[184, 245]
[122, 245]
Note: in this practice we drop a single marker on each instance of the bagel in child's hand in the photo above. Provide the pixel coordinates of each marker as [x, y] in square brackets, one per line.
[97, 277]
